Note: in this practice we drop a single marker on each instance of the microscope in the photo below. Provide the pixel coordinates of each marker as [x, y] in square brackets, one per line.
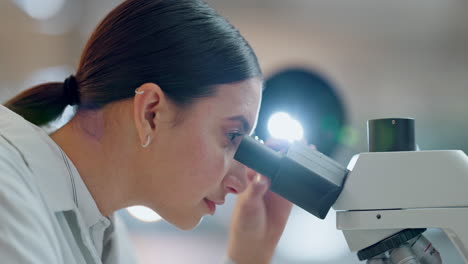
[384, 200]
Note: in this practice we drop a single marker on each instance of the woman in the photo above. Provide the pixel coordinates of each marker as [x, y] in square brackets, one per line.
[164, 92]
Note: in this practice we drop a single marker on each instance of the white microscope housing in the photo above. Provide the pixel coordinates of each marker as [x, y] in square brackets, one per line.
[386, 192]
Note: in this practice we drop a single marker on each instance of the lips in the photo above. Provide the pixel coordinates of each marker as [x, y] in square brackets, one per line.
[211, 206]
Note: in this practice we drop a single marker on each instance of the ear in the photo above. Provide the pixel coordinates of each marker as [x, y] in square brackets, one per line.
[148, 103]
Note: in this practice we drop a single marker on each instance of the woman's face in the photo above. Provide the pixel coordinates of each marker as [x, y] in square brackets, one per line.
[190, 167]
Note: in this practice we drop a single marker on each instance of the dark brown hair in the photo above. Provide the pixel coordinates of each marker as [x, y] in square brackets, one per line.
[184, 46]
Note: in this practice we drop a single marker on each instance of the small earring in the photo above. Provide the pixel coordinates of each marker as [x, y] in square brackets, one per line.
[148, 140]
[138, 92]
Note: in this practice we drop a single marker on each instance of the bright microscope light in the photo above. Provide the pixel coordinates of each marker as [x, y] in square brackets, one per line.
[143, 213]
[283, 126]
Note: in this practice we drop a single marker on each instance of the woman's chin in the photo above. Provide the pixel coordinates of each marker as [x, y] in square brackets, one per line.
[187, 223]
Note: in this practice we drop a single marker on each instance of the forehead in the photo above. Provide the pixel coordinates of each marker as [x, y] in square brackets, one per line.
[234, 99]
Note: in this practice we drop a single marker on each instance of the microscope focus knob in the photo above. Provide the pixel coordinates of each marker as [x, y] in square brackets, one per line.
[389, 243]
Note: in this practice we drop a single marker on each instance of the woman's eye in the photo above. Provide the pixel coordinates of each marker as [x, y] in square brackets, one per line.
[232, 136]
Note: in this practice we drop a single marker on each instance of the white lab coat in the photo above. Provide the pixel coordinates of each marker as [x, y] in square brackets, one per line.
[47, 215]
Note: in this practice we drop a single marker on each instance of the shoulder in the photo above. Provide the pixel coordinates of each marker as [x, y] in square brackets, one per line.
[14, 133]
[26, 224]
[27, 228]
[17, 187]
[25, 149]
[14, 171]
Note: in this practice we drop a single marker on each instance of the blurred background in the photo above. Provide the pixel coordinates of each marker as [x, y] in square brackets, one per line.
[381, 59]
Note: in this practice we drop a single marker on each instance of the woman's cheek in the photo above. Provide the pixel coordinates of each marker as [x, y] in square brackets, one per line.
[218, 166]
[208, 164]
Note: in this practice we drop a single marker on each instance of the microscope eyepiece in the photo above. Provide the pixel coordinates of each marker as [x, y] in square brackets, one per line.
[302, 175]
[391, 134]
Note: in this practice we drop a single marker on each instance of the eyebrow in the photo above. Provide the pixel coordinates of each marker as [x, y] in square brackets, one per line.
[245, 124]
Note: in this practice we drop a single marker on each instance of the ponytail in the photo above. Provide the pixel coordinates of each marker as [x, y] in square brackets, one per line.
[40, 104]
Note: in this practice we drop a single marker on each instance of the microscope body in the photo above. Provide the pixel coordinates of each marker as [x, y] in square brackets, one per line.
[387, 192]
[385, 199]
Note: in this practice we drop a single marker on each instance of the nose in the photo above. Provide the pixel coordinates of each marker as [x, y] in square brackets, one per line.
[236, 180]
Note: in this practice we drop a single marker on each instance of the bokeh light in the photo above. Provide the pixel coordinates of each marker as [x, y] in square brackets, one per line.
[143, 213]
[41, 10]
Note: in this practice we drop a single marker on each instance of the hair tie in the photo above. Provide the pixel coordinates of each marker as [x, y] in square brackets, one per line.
[70, 89]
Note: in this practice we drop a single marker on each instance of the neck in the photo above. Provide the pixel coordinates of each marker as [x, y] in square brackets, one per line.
[95, 163]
